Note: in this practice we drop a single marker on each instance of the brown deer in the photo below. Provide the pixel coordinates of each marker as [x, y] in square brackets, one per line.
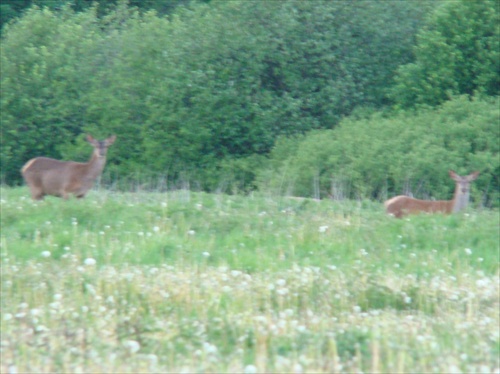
[47, 176]
[400, 206]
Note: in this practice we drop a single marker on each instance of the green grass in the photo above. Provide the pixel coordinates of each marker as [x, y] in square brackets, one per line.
[216, 283]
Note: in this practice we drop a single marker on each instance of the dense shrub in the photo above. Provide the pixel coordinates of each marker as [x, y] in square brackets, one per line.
[188, 95]
[200, 98]
[381, 156]
[457, 53]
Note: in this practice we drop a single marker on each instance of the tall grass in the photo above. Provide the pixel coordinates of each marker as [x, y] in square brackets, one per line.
[195, 282]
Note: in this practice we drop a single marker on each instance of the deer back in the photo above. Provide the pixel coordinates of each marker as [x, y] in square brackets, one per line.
[403, 205]
[53, 177]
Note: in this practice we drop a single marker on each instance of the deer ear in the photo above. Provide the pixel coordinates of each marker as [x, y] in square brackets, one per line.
[453, 175]
[90, 139]
[473, 176]
[110, 140]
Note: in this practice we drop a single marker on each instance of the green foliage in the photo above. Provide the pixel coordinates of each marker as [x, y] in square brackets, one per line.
[457, 52]
[45, 66]
[12, 9]
[382, 156]
[9, 9]
[210, 87]
[258, 76]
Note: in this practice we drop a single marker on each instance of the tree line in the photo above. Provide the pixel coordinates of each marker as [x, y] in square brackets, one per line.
[12, 9]
[205, 91]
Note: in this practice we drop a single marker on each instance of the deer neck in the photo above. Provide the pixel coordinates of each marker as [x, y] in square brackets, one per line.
[95, 166]
[460, 200]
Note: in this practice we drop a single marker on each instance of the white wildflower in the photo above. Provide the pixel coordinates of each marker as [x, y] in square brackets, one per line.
[282, 291]
[235, 273]
[297, 368]
[132, 346]
[7, 317]
[281, 282]
[55, 305]
[482, 282]
[301, 328]
[250, 369]
[153, 359]
[209, 348]
[35, 312]
[41, 328]
[453, 369]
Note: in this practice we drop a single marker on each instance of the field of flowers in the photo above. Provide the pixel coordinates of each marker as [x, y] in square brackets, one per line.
[192, 282]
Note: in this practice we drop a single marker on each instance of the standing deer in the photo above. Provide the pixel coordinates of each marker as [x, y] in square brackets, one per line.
[402, 205]
[46, 176]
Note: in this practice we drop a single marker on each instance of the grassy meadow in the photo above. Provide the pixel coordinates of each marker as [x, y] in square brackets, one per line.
[191, 282]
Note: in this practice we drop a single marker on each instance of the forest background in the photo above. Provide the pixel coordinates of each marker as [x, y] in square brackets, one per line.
[342, 99]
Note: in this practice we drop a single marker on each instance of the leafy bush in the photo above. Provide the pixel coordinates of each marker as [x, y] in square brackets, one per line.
[405, 153]
[457, 52]
[190, 94]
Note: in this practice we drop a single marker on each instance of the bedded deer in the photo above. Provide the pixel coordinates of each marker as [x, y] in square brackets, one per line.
[400, 206]
[47, 176]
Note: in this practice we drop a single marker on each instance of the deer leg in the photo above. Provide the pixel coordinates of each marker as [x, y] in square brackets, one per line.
[37, 194]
